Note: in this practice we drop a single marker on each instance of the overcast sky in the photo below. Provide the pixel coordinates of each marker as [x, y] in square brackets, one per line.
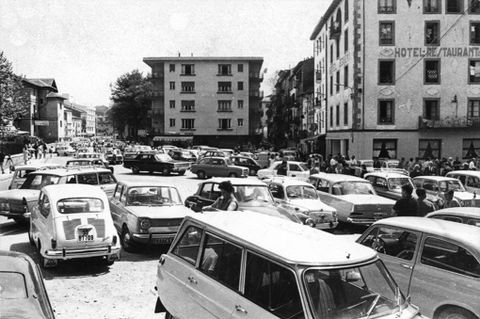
[86, 45]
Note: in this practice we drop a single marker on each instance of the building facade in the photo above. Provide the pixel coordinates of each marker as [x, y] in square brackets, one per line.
[399, 78]
[216, 100]
[52, 113]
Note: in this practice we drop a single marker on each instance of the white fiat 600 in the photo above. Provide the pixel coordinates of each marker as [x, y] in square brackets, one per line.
[73, 221]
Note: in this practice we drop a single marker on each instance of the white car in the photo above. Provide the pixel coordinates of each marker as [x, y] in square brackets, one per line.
[73, 221]
[297, 170]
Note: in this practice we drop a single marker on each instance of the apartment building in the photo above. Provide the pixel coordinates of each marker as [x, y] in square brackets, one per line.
[399, 78]
[216, 100]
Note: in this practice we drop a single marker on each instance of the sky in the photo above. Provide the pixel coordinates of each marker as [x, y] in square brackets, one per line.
[85, 45]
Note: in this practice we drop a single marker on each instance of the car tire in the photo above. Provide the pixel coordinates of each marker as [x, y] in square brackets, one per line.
[108, 262]
[181, 173]
[135, 170]
[455, 313]
[165, 172]
[232, 175]
[126, 239]
[201, 174]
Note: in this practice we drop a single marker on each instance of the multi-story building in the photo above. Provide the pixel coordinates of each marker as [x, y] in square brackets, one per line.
[52, 116]
[214, 99]
[87, 116]
[399, 78]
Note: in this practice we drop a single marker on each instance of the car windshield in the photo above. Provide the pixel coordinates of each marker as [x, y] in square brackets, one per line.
[253, 195]
[351, 187]
[301, 192]
[163, 158]
[355, 292]
[153, 196]
[12, 286]
[395, 184]
[451, 184]
[37, 181]
[80, 205]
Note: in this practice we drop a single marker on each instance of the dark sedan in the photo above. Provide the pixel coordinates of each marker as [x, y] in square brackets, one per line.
[247, 162]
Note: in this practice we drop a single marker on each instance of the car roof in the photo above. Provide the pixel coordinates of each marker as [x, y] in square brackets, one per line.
[339, 177]
[289, 162]
[236, 181]
[59, 191]
[285, 240]
[466, 234]
[473, 212]
[69, 171]
[469, 173]
[287, 181]
[146, 184]
[436, 178]
[38, 166]
[387, 174]
[14, 261]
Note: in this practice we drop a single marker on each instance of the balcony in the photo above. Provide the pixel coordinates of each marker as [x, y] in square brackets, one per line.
[256, 76]
[449, 122]
[256, 93]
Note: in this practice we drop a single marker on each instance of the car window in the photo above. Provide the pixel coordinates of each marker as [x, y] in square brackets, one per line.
[106, 178]
[301, 191]
[418, 183]
[217, 161]
[450, 218]
[444, 255]
[272, 287]
[221, 261]
[473, 181]
[71, 179]
[277, 191]
[37, 181]
[22, 173]
[12, 286]
[294, 167]
[395, 242]
[462, 178]
[188, 246]
[45, 206]
[90, 179]
[381, 182]
[80, 205]
[205, 161]
[206, 190]
[430, 186]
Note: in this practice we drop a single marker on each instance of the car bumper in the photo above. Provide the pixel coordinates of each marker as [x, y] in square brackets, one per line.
[154, 239]
[326, 225]
[113, 252]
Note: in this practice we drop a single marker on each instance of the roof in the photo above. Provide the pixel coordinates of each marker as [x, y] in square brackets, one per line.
[436, 178]
[285, 240]
[43, 83]
[387, 174]
[339, 177]
[59, 191]
[465, 234]
[288, 181]
[143, 184]
[52, 95]
[467, 173]
[324, 18]
[473, 212]
[151, 60]
[237, 181]
[69, 171]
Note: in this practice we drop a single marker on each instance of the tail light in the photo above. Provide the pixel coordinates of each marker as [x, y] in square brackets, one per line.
[54, 243]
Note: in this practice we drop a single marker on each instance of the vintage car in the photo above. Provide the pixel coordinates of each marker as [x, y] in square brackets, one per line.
[114, 156]
[247, 162]
[88, 162]
[217, 166]
[20, 172]
[436, 186]
[212, 153]
[155, 162]
[470, 180]
[146, 213]
[73, 221]
[248, 265]
[435, 262]
[22, 291]
[17, 204]
[251, 194]
[354, 198]
[183, 155]
[301, 198]
[463, 215]
[65, 150]
[298, 170]
[388, 184]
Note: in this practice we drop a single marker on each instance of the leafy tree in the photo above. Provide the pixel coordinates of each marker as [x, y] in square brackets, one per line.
[131, 96]
[13, 101]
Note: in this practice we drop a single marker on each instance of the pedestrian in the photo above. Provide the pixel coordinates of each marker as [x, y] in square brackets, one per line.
[282, 168]
[416, 171]
[2, 158]
[450, 201]
[405, 206]
[226, 201]
[424, 206]
[25, 154]
[35, 149]
[409, 166]
[315, 169]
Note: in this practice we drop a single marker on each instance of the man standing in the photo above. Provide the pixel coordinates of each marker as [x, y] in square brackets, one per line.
[405, 206]
[2, 158]
[450, 201]
[424, 206]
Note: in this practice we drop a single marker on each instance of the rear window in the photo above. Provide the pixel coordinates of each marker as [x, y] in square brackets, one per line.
[89, 179]
[12, 286]
[37, 181]
[79, 205]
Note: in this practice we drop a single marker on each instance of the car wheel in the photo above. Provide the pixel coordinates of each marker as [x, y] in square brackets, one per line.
[201, 174]
[455, 313]
[166, 171]
[127, 240]
[135, 170]
[108, 262]
[181, 173]
[232, 175]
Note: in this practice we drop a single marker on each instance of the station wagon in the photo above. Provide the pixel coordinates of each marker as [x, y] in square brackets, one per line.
[469, 179]
[436, 186]
[389, 184]
[20, 173]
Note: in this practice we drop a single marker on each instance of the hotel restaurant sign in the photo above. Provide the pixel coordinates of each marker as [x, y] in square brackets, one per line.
[432, 52]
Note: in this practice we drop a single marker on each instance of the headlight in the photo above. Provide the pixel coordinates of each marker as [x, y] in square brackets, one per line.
[4, 206]
[334, 215]
[145, 223]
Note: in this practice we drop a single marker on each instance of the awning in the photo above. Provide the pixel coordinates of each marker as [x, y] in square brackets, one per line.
[168, 138]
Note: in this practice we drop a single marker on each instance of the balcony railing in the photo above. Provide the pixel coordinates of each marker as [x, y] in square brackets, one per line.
[386, 9]
[449, 122]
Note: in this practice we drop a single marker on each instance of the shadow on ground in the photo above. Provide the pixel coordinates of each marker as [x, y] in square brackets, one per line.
[13, 228]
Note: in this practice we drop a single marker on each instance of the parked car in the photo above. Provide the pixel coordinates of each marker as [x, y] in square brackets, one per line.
[301, 198]
[17, 204]
[436, 186]
[388, 184]
[217, 166]
[65, 150]
[298, 170]
[213, 153]
[146, 213]
[114, 156]
[436, 262]
[183, 155]
[22, 291]
[247, 162]
[463, 215]
[470, 180]
[248, 265]
[73, 221]
[354, 198]
[90, 162]
[20, 172]
[155, 162]
[263, 158]
[251, 194]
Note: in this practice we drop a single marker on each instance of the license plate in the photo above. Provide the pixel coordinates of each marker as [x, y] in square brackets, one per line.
[85, 238]
[160, 241]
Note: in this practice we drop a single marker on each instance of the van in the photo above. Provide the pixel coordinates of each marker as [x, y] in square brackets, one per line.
[249, 265]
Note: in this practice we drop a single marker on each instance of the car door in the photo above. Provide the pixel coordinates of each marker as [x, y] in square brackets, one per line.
[44, 222]
[204, 197]
[218, 167]
[473, 184]
[117, 205]
[294, 170]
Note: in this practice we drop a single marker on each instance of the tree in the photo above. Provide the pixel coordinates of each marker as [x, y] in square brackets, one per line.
[131, 96]
[13, 101]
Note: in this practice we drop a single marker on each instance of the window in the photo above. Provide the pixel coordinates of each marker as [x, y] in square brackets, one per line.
[337, 115]
[239, 122]
[345, 41]
[387, 32]
[386, 72]
[331, 53]
[384, 148]
[172, 104]
[473, 6]
[431, 109]
[432, 33]
[188, 69]
[454, 6]
[240, 85]
[188, 87]
[221, 261]
[188, 106]
[224, 106]
[224, 69]
[172, 67]
[172, 122]
[225, 87]
[337, 83]
[432, 71]
[474, 33]
[474, 69]
[331, 85]
[387, 6]
[224, 124]
[240, 104]
[471, 147]
[172, 85]
[429, 148]
[346, 10]
[345, 77]
[386, 112]
[331, 116]
[345, 114]
[401, 243]
[432, 6]
[240, 67]
[473, 111]
[189, 245]
[272, 287]
[188, 124]
[448, 256]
